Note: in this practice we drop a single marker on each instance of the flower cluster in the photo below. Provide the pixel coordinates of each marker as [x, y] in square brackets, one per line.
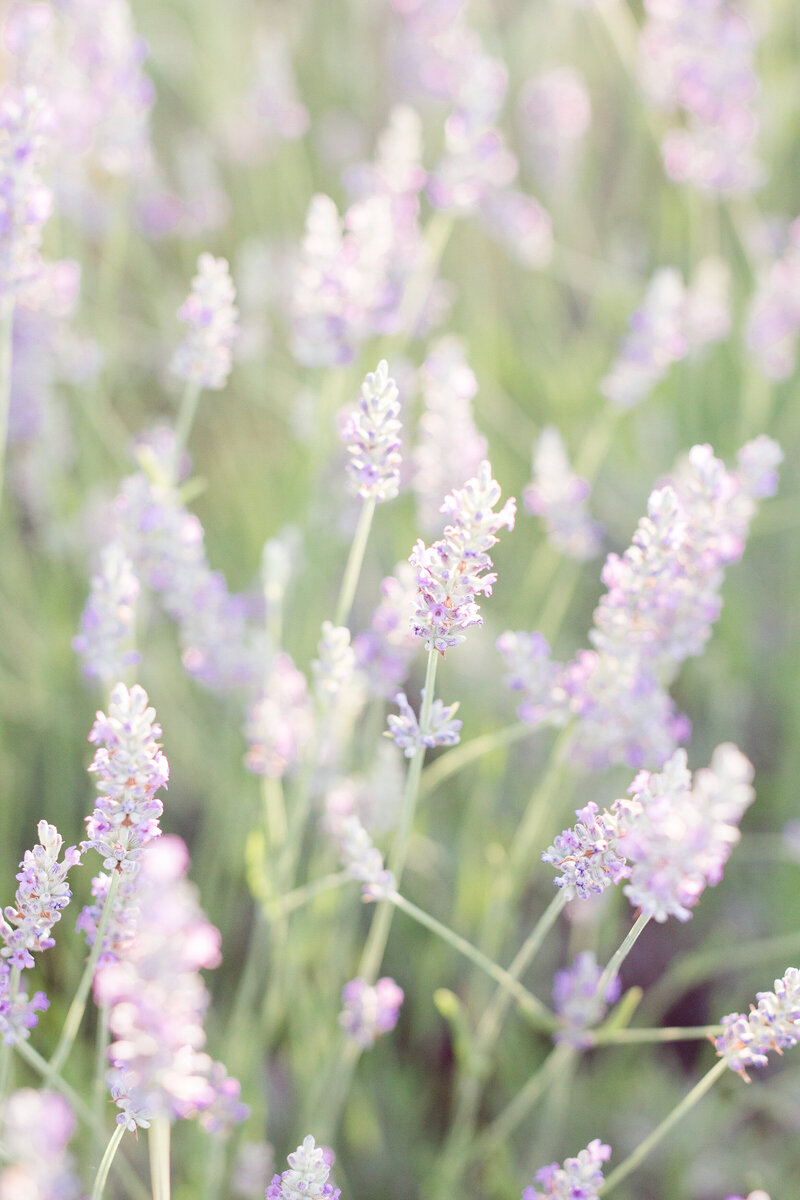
[773, 1024]
[441, 728]
[280, 722]
[453, 571]
[575, 999]
[334, 668]
[559, 498]
[697, 59]
[773, 318]
[157, 1000]
[25, 202]
[671, 836]
[361, 859]
[37, 1127]
[107, 621]
[204, 357]
[130, 769]
[25, 927]
[385, 650]
[307, 1177]
[370, 1011]
[371, 435]
[579, 1178]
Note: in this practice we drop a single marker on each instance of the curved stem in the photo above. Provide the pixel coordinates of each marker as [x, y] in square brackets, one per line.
[106, 1161]
[184, 422]
[78, 1006]
[617, 959]
[640, 1153]
[355, 560]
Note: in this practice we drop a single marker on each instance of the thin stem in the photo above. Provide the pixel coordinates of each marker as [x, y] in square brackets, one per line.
[274, 812]
[612, 970]
[466, 753]
[6, 329]
[355, 560]
[541, 1016]
[184, 422]
[670, 1033]
[100, 1063]
[78, 1006]
[106, 1161]
[640, 1153]
[518, 1109]
[158, 1145]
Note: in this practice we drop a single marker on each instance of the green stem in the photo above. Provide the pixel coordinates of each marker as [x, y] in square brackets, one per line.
[466, 753]
[6, 329]
[355, 560]
[78, 1006]
[184, 422]
[640, 1153]
[106, 1161]
[612, 970]
[517, 1110]
[527, 838]
[158, 1145]
[670, 1033]
[539, 1014]
[100, 1064]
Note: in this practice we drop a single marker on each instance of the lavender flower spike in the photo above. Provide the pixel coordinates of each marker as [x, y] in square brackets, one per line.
[108, 619]
[25, 203]
[204, 357]
[442, 729]
[130, 769]
[453, 571]
[370, 1011]
[774, 1024]
[371, 435]
[576, 1001]
[37, 1125]
[307, 1177]
[579, 1179]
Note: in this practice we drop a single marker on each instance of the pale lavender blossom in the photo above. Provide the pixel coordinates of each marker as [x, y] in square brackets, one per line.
[575, 999]
[559, 497]
[773, 317]
[307, 1176]
[157, 999]
[587, 854]
[205, 357]
[130, 769]
[655, 340]
[449, 447]
[335, 666]
[25, 201]
[454, 571]
[518, 223]
[579, 1178]
[707, 308]
[370, 433]
[533, 671]
[360, 858]
[370, 1011]
[441, 728]
[17, 1009]
[555, 112]
[271, 111]
[280, 722]
[772, 1025]
[697, 60]
[253, 1163]
[108, 620]
[385, 650]
[37, 1127]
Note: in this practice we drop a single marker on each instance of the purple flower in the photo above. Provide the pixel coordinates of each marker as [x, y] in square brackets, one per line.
[579, 1179]
[157, 1000]
[774, 1024]
[370, 1011]
[773, 317]
[576, 1001]
[204, 357]
[280, 722]
[307, 1177]
[107, 622]
[453, 571]
[37, 1126]
[25, 203]
[555, 112]
[441, 729]
[656, 339]
[361, 860]
[559, 498]
[385, 650]
[371, 436]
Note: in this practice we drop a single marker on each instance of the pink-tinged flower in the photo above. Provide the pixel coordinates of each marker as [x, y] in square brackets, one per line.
[25, 202]
[773, 317]
[307, 1177]
[130, 769]
[559, 497]
[576, 1001]
[441, 729]
[579, 1178]
[454, 571]
[205, 357]
[655, 340]
[518, 223]
[772, 1025]
[360, 858]
[157, 1001]
[280, 722]
[697, 60]
[370, 1011]
[107, 622]
[449, 447]
[37, 1127]
[270, 111]
[555, 111]
[385, 650]
[370, 433]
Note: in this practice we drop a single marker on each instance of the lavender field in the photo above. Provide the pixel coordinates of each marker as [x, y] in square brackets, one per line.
[399, 502]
